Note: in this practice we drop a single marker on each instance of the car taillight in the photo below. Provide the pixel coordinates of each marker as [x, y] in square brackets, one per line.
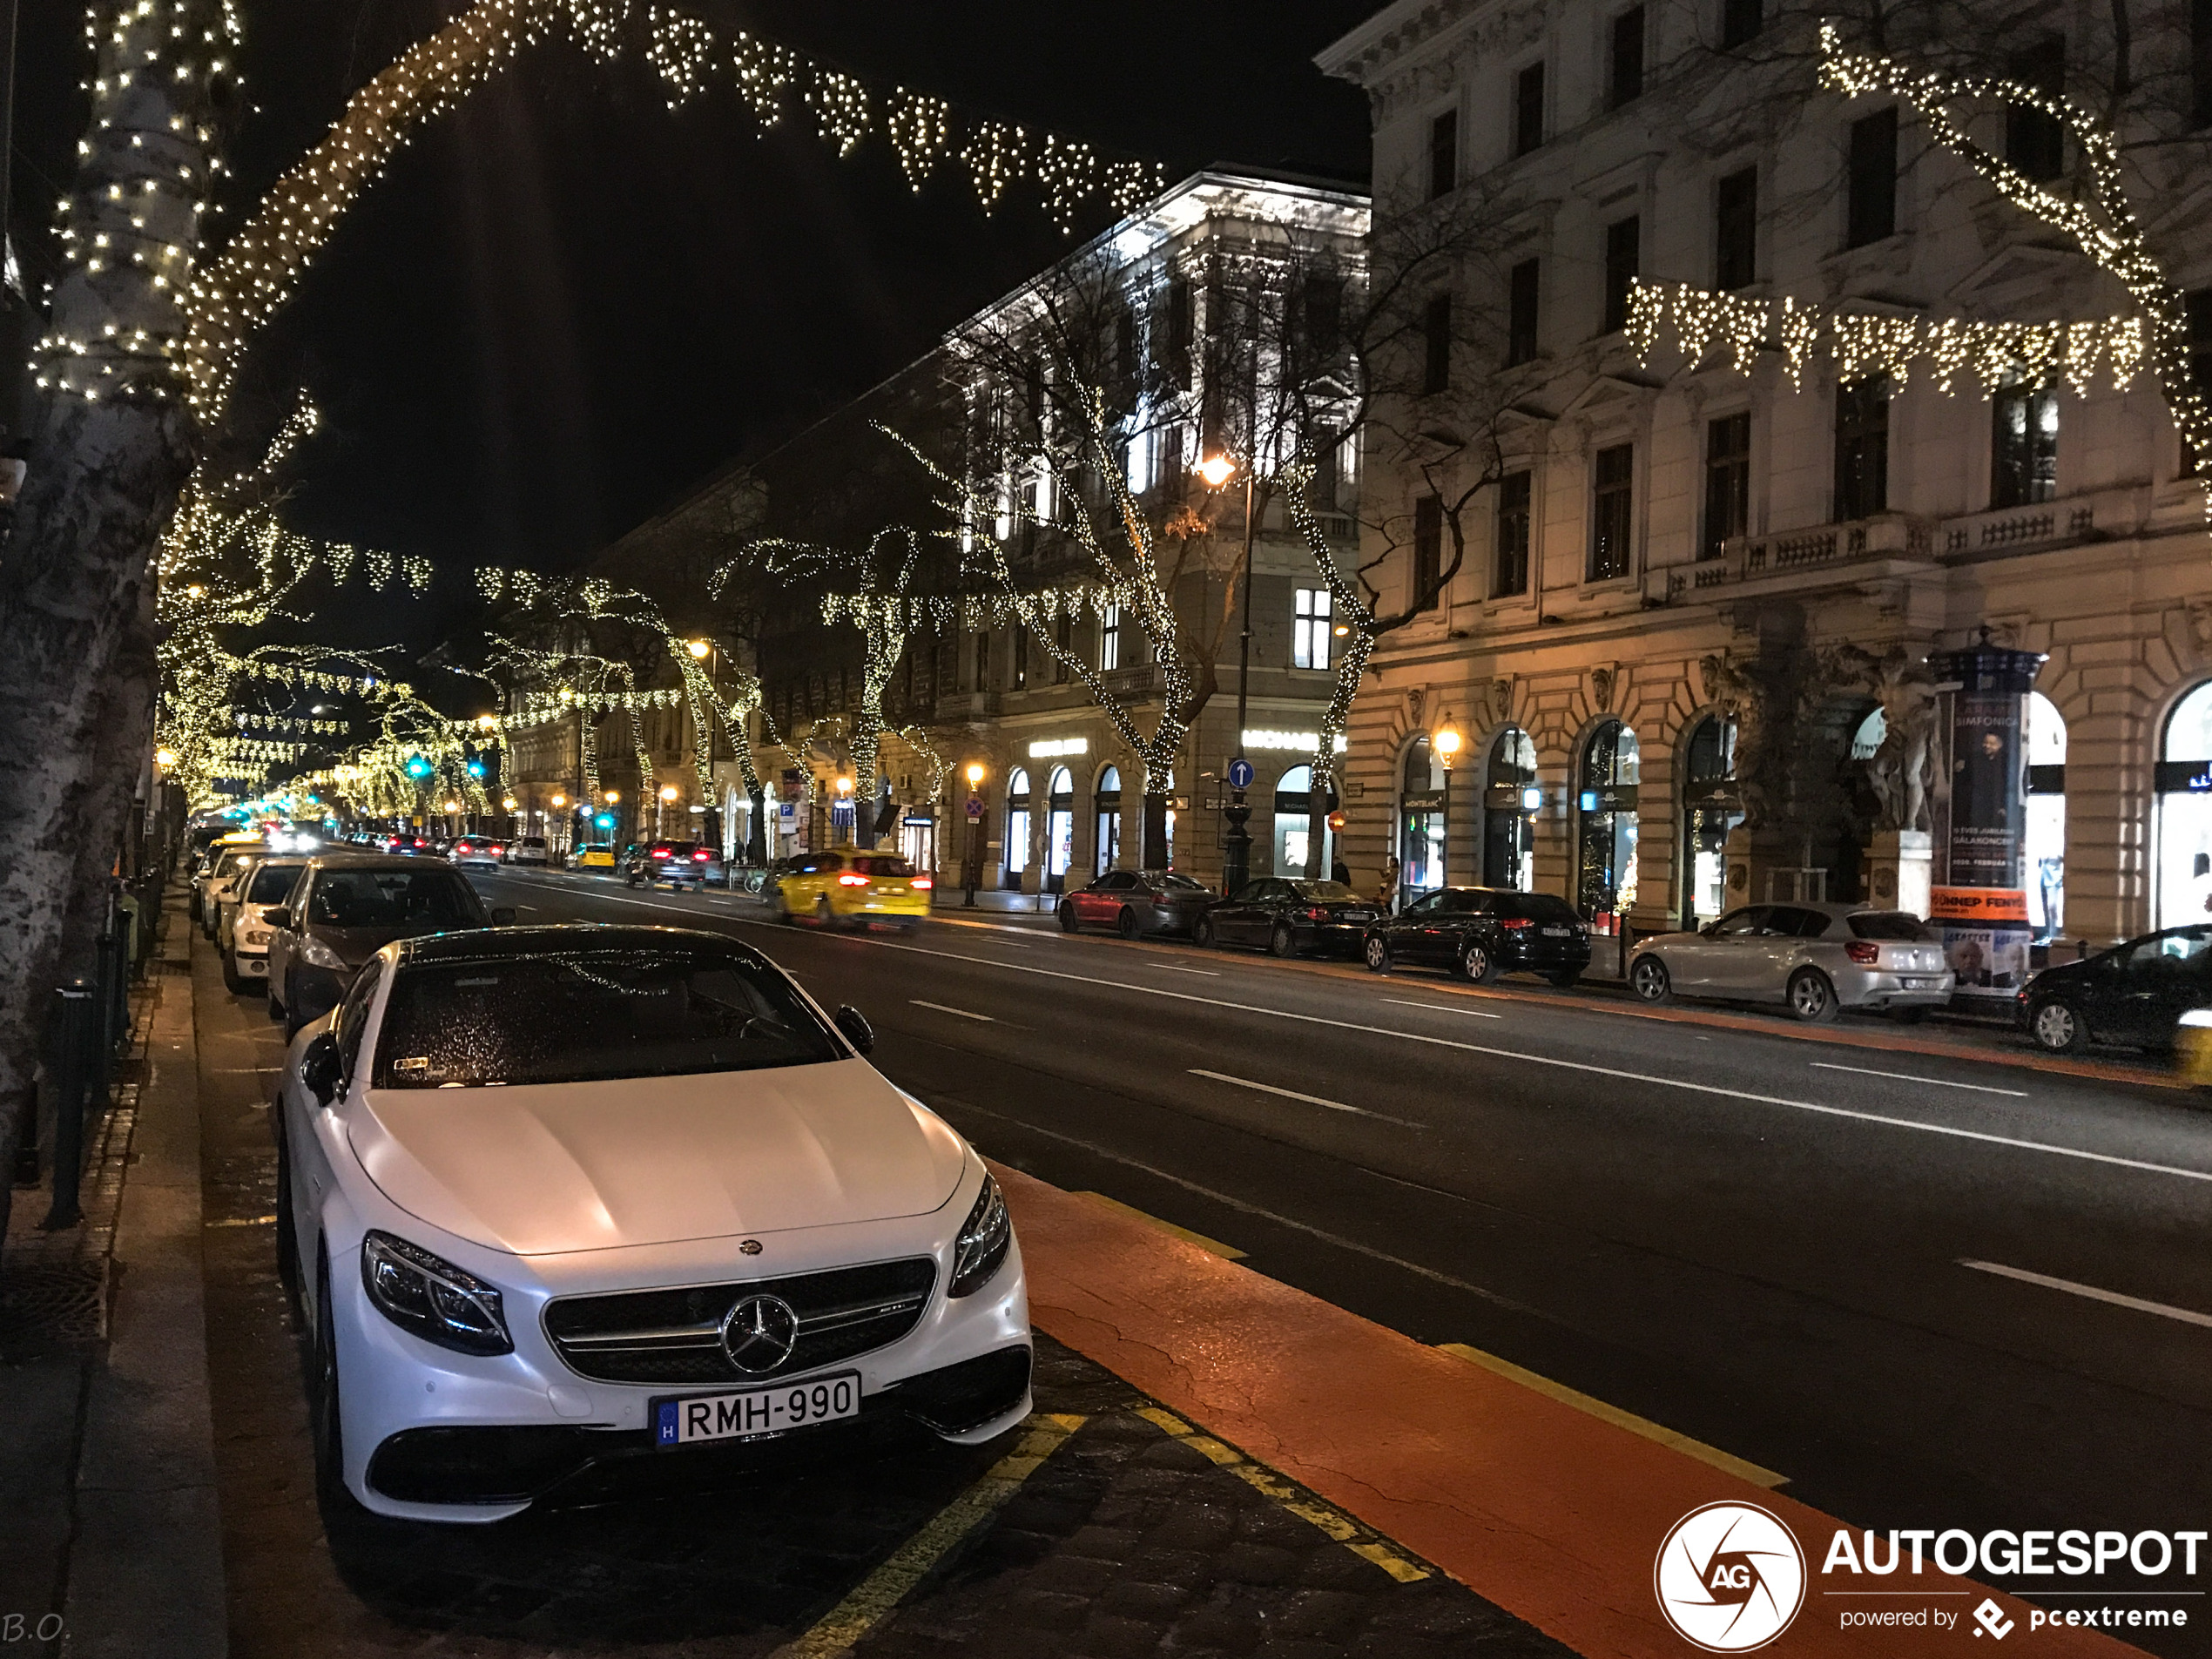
[1516, 922]
[700, 855]
[922, 883]
[661, 853]
[1315, 913]
[1865, 952]
[498, 849]
[852, 879]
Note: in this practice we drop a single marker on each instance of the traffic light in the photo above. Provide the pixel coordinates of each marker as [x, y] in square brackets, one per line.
[417, 766]
[475, 768]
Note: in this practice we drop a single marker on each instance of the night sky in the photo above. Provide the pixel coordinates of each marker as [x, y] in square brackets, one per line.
[565, 306]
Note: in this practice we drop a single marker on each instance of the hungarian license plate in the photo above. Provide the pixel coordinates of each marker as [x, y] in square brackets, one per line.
[747, 1413]
[1557, 932]
[1921, 984]
[1358, 915]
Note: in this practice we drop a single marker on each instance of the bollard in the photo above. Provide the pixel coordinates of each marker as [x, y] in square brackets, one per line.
[74, 1035]
[26, 1171]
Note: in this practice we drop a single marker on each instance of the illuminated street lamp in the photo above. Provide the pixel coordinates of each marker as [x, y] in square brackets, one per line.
[164, 759]
[1237, 842]
[972, 867]
[1216, 470]
[699, 649]
[1446, 744]
[660, 812]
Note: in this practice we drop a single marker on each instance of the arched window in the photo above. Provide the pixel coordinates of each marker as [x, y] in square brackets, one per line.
[1017, 825]
[1420, 814]
[1712, 807]
[2045, 842]
[1511, 800]
[1606, 807]
[1106, 800]
[2184, 783]
[1060, 829]
[1293, 823]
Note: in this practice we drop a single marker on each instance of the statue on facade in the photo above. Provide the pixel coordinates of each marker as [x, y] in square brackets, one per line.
[1899, 769]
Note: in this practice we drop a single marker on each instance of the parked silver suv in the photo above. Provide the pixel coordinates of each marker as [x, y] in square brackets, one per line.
[1814, 958]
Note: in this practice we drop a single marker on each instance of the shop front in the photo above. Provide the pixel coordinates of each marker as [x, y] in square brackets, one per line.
[1421, 808]
[1511, 800]
[1605, 809]
[1712, 809]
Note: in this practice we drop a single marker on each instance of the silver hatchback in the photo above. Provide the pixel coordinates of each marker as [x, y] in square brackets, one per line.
[1813, 958]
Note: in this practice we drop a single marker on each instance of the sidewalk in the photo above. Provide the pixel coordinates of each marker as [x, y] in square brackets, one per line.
[109, 1542]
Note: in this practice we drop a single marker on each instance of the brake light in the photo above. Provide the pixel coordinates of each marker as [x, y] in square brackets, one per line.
[662, 853]
[700, 855]
[498, 848]
[1516, 923]
[852, 879]
[1865, 952]
[1315, 913]
[922, 883]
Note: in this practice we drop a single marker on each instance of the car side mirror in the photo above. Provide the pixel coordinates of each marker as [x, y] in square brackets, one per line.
[319, 1069]
[281, 917]
[503, 915]
[854, 1028]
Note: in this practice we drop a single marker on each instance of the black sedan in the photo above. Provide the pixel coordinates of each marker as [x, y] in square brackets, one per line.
[1484, 932]
[2133, 994]
[1286, 916]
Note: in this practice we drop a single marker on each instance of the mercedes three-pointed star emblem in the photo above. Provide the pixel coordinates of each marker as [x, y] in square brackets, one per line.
[759, 1334]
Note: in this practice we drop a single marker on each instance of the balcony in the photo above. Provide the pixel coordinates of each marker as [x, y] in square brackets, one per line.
[1132, 685]
[972, 707]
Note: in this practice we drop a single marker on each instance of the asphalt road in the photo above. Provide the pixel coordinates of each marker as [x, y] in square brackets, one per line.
[1759, 1241]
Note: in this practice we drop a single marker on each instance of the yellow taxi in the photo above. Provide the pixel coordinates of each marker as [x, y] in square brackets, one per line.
[594, 856]
[860, 889]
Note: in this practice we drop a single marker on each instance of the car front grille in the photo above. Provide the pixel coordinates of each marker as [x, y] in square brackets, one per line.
[675, 1336]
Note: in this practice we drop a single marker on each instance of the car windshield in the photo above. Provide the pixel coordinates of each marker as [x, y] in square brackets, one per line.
[271, 883]
[1324, 891]
[428, 898]
[233, 857]
[881, 866]
[1890, 924]
[587, 1015]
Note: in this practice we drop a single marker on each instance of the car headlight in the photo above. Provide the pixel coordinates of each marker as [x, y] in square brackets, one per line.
[319, 953]
[254, 936]
[431, 1296]
[984, 1240]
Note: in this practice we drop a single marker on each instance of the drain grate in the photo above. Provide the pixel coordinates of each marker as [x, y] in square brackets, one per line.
[48, 1307]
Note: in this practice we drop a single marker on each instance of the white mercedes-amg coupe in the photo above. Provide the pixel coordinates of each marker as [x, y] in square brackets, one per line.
[572, 1211]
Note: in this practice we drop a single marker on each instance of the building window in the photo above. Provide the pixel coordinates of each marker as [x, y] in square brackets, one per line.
[2023, 446]
[1627, 57]
[1064, 637]
[1736, 230]
[1436, 344]
[1322, 303]
[1021, 676]
[2201, 63]
[1613, 496]
[1176, 333]
[1310, 625]
[2196, 312]
[982, 662]
[1623, 253]
[1511, 575]
[1862, 449]
[1741, 20]
[1109, 638]
[1728, 482]
[1528, 110]
[2035, 140]
[1428, 552]
[1871, 196]
[1521, 311]
[1443, 154]
[1167, 457]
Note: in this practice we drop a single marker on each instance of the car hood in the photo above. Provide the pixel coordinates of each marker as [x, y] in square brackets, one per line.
[1673, 939]
[549, 1168]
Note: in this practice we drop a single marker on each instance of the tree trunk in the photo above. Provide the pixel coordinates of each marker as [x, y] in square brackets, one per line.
[111, 452]
[756, 840]
[1156, 831]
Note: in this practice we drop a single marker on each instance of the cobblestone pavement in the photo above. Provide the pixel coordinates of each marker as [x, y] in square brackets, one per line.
[1103, 1532]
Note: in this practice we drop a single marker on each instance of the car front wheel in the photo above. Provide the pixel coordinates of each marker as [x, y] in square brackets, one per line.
[1126, 924]
[2057, 1028]
[1477, 963]
[1202, 932]
[1377, 956]
[1812, 999]
[323, 1425]
[1282, 942]
[1067, 918]
[1649, 979]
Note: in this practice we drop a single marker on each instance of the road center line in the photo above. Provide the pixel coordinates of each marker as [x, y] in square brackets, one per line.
[1177, 968]
[1907, 1077]
[1442, 1008]
[941, 1008]
[1293, 1094]
[2164, 1310]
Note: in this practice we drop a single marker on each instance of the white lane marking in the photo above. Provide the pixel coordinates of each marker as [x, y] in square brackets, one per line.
[2047, 1148]
[1293, 1094]
[2165, 1310]
[1441, 1007]
[2016, 1142]
[1907, 1077]
[941, 1008]
[1177, 968]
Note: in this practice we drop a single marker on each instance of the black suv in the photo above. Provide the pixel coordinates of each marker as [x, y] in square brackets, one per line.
[1484, 932]
[2133, 994]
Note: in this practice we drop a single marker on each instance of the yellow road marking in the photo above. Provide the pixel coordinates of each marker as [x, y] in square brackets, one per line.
[837, 1631]
[1619, 1419]
[1212, 1246]
[1333, 1522]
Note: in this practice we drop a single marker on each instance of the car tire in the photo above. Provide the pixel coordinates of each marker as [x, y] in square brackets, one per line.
[276, 1002]
[233, 981]
[288, 1238]
[1126, 923]
[1067, 918]
[1812, 999]
[2057, 1026]
[1281, 942]
[1649, 979]
[1477, 963]
[1202, 932]
[1376, 955]
[1566, 980]
[326, 1428]
[824, 916]
[292, 1019]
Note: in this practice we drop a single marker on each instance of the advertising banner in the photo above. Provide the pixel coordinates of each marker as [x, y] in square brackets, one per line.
[1981, 895]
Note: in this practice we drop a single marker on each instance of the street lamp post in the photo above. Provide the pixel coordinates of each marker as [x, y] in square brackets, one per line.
[1236, 845]
[973, 870]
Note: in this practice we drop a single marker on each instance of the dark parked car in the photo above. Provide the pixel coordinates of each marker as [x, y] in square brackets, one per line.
[344, 911]
[1484, 932]
[1287, 916]
[2133, 994]
[677, 863]
[1135, 902]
